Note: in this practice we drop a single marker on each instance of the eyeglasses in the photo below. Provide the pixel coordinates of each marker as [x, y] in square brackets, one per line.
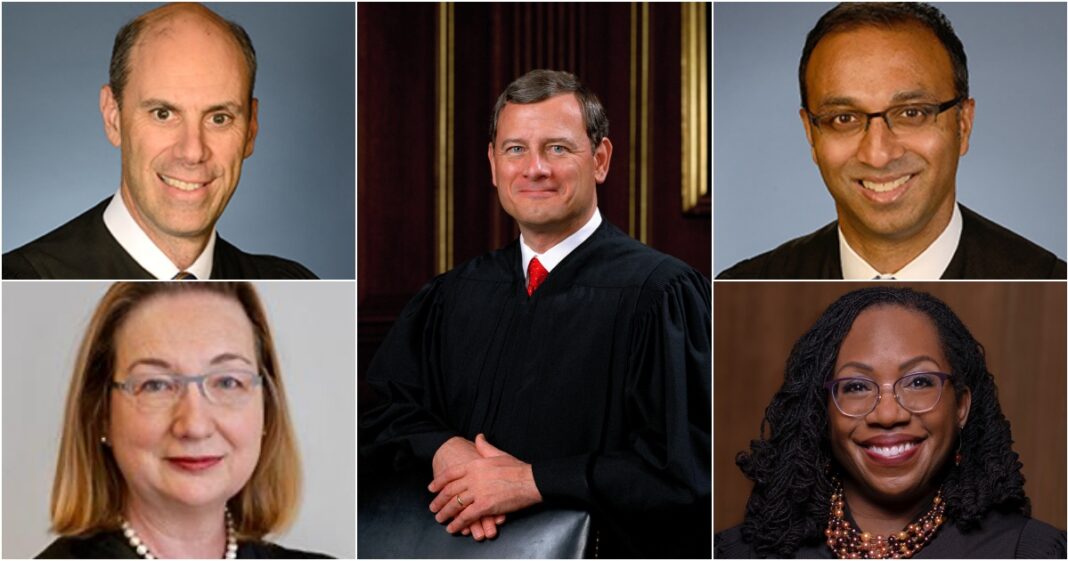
[901, 119]
[156, 391]
[917, 393]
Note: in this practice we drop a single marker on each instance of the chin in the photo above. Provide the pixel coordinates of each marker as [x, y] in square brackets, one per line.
[537, 219]
[892, 488]
[187, 227]
[201, 497]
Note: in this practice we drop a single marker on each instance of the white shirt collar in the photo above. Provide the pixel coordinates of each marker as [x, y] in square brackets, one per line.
[136, 242]
[554, 255]
[928, 265]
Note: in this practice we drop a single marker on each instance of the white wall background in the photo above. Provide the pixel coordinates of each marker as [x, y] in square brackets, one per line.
[315, 332]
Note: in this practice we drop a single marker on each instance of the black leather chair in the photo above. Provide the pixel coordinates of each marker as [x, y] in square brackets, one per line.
[394, 521]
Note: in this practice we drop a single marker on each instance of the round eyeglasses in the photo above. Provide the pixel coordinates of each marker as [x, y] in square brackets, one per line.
[916, 393]
[900, 119]
[155, 391]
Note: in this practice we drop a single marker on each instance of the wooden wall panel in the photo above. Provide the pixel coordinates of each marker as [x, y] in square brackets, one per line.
[668, 225]
[1021, 325]
[395, 162]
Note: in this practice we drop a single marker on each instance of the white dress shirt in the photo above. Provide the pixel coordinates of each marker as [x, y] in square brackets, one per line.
[928, 265]
[136, 242]
[555, 254]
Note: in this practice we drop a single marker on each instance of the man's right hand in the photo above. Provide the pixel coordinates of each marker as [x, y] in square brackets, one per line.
[457, 451]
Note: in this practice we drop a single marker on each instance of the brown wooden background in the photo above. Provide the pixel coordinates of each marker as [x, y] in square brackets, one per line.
[1021, 325]
[629, 54]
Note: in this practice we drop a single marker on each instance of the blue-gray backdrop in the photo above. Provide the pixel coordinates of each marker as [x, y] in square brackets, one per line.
[766, 188]
[297, 193]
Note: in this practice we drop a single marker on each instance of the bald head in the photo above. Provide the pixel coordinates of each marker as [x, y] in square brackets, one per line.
[165, 22]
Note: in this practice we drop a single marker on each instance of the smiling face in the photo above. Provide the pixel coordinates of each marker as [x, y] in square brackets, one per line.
[892, 456]
[193, 454]
[185, 126]
[544, 169]
[887, 186]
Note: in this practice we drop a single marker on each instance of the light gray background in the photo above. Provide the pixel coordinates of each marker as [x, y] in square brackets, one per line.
[315, 332]
[767, 190]
[296, 198]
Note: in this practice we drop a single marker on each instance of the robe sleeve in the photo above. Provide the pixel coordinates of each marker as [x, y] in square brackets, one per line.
[408, 423]
[660, 482]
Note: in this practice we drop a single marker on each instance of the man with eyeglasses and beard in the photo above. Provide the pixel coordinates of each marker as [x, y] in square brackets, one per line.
[887, 113]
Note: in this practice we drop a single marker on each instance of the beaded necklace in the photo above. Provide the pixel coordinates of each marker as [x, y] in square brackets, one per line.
[848, 542]
[142, 548]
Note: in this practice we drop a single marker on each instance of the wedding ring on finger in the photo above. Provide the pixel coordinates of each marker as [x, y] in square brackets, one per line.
[460, 502]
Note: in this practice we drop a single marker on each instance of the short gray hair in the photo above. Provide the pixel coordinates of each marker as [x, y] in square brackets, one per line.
[539, 85]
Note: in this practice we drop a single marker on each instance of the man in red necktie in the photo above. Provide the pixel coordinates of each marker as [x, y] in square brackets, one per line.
[582, 355]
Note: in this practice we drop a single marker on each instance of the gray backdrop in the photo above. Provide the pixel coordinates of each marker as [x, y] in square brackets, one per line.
[767, 190]
[297, 193]
[315, 332]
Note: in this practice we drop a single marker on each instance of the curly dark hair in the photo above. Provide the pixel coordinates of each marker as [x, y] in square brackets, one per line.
[788, 464]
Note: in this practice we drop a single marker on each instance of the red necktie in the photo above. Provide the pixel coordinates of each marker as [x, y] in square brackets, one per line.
[536, 275]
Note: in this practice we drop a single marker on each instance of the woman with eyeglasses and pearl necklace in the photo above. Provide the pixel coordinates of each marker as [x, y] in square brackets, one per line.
[176, 440]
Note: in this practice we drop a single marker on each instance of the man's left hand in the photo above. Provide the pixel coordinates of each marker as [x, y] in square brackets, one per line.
[498, 483]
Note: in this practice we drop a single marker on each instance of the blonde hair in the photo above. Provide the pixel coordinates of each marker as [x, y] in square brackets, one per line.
[89, 491]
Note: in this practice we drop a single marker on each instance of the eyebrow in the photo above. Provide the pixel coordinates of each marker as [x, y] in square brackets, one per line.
[901, 367]
[231, 106]
[561, 140]
[898, 98]
[554, 140]
[160, 363]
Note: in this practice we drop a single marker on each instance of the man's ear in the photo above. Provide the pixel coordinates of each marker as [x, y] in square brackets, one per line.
[253, 127]
[808, 133]
[967, 117]
[109, 111]
[602, 158]
[493, 164]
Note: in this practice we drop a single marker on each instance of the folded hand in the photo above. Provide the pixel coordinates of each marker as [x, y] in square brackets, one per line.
[495, 484]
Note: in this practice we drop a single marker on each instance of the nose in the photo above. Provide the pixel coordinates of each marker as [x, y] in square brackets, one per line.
[888, 412]
[878, 144]
[536, 167]
[191, 147]
[193, 417]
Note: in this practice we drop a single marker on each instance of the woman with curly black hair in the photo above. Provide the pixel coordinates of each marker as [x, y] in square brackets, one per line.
[885, 440]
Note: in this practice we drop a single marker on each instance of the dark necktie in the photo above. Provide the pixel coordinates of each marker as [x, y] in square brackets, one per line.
[536, 275]
[184, 275]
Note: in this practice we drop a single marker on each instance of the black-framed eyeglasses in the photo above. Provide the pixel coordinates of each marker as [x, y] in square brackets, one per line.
[155, 391]
[900, 119]
[918, 392]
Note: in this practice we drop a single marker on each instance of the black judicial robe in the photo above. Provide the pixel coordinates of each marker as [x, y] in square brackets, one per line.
[986, 251]
[999, 536]
[601, 380]
[113, 545]
[85, 249]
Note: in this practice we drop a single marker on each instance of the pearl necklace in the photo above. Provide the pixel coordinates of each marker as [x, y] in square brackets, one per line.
[849, 543]
[142, 549]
